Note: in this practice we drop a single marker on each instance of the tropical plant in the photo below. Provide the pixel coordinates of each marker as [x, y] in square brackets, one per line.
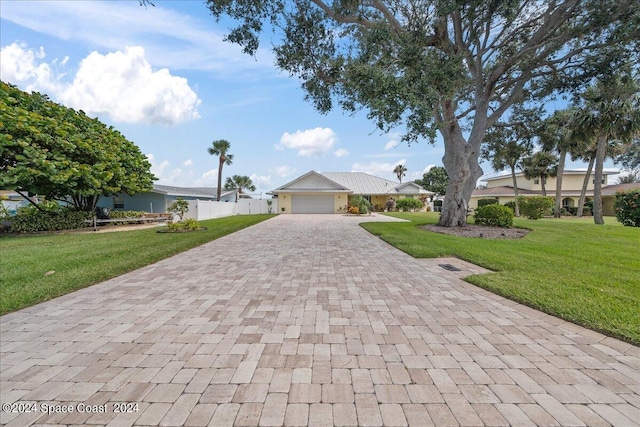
[493, 215]
[437, 66]
[540, 165]
[221, 148]
[269, 203]
[400, 171]
[179, 207]
[363, 206]
[611, 111]
[239, 182]
[62, 154]
[627, 207]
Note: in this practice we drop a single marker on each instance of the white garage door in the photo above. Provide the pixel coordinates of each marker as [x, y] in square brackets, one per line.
[311, 204]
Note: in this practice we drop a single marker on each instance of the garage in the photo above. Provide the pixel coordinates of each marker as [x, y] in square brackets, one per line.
[311, 204]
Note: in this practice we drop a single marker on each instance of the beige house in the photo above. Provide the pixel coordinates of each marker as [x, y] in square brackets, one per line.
[330, 192]
[501, 187]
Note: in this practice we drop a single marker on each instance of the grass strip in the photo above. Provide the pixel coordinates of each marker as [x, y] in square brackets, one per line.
[81, 260]
[573, 269]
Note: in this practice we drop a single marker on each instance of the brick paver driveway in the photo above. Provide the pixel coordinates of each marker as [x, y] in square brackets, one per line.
[307, 320]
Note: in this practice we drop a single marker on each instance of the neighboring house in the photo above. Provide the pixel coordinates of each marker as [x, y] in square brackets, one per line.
[11, 201]
[330, 192]
[159, 199]
[501, 187]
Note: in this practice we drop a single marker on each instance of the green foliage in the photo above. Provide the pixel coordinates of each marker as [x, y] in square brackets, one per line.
[29, 220]
[57, 152]
[511, 205]
[359, 202]
[126, 214]
[407, 204]
[627, 207]
[494, 215]
[435, 180]
[179, 207]
[485, 202]
[239, 182]
[400, 171]
[189, 224]
[535, 207]
[540, 165]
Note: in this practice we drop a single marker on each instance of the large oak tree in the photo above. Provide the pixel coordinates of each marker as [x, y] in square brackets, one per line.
[448, 66]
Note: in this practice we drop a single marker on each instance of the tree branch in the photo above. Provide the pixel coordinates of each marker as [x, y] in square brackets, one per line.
[343, 19]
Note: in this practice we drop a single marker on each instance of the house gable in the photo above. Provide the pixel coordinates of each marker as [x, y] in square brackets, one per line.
[312, 182]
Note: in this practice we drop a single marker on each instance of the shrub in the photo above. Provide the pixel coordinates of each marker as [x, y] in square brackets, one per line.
[494, 215]
[189, 224]
[408, 203]
[485, 202]
[535, 207]
[361, 203]
[390, 205]
[32, 220]
[627, 207]
[511, 205]
[126, 214]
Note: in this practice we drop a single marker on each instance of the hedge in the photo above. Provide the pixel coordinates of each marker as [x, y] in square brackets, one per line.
[627, 207]
[494, 215]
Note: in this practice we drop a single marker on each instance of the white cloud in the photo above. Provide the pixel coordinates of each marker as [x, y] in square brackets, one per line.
[167, 174]
[427, 169]
[188, 162]
[341, 152]
[284, 171]
[262, 183]
[375, 168]
[172, 39]
[391, 144]
[311, 142]
[208, 179]
[122, 85]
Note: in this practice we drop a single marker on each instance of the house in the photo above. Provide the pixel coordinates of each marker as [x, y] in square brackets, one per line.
[501, 187]
[330, 192]
[161, 196]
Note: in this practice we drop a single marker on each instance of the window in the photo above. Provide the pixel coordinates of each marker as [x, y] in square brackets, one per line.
[118, 202]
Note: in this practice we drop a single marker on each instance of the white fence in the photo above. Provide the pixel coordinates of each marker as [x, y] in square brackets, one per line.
[256, 206]
[206, 209]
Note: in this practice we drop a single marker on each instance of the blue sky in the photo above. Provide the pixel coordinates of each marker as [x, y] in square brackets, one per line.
[165, 78]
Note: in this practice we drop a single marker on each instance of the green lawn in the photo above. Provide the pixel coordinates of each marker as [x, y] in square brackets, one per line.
[81, 260]
[573, 269]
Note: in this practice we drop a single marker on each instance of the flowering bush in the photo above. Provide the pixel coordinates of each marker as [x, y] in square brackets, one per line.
[627, 207]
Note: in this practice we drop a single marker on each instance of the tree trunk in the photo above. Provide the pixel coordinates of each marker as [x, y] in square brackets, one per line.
[461, 163]
[558, 210]
[28, 199]
[585, 184]
[542, 184]
[515, 190]
[220, 178]
[597, 187]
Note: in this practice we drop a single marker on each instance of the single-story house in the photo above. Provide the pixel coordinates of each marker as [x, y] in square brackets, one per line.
[329, 192]
[161, 196]
[500, 187]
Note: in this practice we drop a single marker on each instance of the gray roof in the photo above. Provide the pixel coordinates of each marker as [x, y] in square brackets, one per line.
[363, 183]
[208, 192]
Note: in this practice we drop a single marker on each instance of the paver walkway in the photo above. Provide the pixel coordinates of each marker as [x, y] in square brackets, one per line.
[307, 320]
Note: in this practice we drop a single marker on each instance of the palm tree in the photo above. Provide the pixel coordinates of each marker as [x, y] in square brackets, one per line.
[239, 182]
[611, 112]
[400, 171]
[540, 165]
[220, 148]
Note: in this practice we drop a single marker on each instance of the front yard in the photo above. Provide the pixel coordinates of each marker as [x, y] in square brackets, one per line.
[37, 268]
[573, 269]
